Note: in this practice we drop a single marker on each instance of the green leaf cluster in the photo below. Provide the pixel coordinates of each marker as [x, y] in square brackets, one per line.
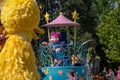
[109, 34]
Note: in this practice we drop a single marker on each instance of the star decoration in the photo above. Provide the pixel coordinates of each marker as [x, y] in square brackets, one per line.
[75, 15]
[47, 17]
[60, 72]
[46, 71]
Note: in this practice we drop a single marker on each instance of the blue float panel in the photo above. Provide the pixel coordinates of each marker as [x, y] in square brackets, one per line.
[60, 73]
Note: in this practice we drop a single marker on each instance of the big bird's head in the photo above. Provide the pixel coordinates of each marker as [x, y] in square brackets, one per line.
[21, 16]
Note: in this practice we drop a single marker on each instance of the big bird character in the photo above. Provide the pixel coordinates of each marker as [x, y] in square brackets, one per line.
[20, 19]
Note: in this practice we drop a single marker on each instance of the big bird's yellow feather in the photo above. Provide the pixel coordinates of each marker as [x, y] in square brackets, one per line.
[17, 60]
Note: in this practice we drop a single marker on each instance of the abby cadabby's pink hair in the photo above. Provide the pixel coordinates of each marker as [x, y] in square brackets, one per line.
[58, 34]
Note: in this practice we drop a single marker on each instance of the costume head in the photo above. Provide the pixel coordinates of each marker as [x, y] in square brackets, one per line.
[58, 34]
[54, 37]
[22, 16]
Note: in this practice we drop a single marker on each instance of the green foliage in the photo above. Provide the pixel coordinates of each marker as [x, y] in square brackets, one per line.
[109, 34]
[85, 36]
[103, 7]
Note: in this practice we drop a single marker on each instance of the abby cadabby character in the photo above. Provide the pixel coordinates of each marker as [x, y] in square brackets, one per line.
[56, 47]
[58, 43]
[55, 43]
[17, 60]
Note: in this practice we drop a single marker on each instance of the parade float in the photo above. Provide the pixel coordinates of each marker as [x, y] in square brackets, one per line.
[60, 59]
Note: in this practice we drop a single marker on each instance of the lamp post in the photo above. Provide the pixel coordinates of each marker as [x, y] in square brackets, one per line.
[75, 17]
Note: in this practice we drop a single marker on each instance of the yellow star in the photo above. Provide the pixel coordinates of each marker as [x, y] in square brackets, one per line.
[60, 72]
[46, 17]
[46, 71]
[75, 15]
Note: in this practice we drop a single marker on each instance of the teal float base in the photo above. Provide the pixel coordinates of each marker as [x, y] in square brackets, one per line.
[60, 73]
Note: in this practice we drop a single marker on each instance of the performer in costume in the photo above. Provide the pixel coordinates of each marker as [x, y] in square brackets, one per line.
[56, 47]
[17, 60]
